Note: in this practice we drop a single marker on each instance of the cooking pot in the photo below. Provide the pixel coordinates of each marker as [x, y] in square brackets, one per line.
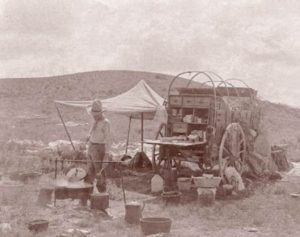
[38, 225]
[76, 174]
[79, 190]
[171, 197]
[133, 212]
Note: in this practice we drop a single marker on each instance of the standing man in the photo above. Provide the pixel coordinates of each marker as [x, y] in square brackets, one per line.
[99, 141]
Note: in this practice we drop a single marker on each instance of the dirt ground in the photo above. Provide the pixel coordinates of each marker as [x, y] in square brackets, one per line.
[269, 211]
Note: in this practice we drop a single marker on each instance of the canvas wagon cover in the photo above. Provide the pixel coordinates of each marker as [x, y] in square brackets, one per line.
[139, 99]
[239, 103]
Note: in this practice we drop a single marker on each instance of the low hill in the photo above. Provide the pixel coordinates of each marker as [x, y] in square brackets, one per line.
[27, 110]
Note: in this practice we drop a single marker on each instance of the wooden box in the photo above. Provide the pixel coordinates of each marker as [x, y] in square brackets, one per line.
[180, 128]
[202, 102]
[188, 101]
[175, 100]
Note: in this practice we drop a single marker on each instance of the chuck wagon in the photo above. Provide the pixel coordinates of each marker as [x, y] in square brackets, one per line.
[209, 123]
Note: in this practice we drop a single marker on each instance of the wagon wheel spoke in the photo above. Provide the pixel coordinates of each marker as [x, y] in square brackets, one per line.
[227, 150]
[242, 151]
[238, 165]
[159, 162]
[233, 161]
[226, 158]
[225, 161]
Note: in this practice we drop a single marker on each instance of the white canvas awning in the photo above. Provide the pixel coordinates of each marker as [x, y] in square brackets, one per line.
[139, 99]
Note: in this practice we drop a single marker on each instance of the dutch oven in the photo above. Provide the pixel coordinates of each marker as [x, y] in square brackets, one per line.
[79, 190]
[155, 225]
[76, 174]
[38, 225]
[171, 197]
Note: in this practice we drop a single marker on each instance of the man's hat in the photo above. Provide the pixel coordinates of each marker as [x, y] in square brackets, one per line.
[96, 106]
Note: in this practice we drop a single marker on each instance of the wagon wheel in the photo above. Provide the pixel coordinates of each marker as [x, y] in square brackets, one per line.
[155, 151]
[232, 151]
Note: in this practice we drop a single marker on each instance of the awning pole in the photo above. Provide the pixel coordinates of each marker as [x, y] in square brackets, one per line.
[142, 131]
[60, 116]
[127, 141]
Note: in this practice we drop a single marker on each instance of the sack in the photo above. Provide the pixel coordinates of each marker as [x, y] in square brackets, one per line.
[141, 160]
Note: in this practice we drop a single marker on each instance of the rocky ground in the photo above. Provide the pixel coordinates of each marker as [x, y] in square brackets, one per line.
[272, 209]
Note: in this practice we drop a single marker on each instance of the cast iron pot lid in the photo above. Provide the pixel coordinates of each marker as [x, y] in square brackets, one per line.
[76, 174]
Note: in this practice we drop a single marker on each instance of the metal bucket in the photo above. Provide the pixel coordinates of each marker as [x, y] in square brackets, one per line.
[133, 212]
[100, 201]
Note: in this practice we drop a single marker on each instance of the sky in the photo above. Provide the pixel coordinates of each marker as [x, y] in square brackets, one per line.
[257, 40]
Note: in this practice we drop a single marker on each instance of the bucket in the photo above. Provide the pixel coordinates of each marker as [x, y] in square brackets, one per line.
[133, 212]
[100, 201]
[184, 184]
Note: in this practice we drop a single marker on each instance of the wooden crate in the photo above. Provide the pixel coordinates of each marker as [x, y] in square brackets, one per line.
[175, 100]
[202, 102]
[188, 101]
[180, 128]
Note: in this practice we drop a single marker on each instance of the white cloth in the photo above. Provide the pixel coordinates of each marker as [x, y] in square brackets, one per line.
[234, 178]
